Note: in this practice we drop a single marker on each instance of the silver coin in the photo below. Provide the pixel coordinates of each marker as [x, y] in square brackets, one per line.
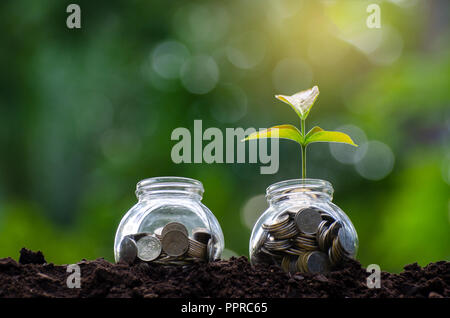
[201, 235]
[175, 243]
[293, 268]
[285, 263]
[334, 228]
[127, 250]
[327, 217]
[346, 241]
[174, 226]
[318, 262]
[148, 248]
[279, 223]
[308, 220]
[196, 249]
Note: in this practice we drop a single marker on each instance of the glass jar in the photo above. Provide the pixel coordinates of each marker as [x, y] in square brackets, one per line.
[302, 230]
[166, 201]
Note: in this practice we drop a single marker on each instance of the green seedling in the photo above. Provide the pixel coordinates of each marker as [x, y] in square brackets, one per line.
[302, 103]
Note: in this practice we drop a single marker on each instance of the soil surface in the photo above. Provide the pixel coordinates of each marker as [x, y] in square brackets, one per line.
[33, 277]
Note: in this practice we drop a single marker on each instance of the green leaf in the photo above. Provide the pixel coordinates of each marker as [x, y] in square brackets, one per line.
[320, 135]
[313, 130]
[281, 131]
[302, 101]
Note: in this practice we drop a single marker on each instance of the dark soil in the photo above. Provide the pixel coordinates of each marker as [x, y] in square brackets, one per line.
[33, 277]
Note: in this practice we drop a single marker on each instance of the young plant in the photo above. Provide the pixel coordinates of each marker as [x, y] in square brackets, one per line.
[302, 103]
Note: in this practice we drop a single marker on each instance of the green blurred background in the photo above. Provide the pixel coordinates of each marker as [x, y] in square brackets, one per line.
[85, 114]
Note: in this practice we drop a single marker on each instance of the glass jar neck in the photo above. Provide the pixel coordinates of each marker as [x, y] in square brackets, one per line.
[298, 188]
[169, 186]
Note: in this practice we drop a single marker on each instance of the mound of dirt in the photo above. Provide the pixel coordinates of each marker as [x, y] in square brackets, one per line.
[234, 278]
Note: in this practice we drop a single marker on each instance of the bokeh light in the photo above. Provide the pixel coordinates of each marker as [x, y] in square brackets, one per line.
[246, 50]
[168, 57]
[282, 9]
[377, 162]
[200, 24]
[349, 154]
[200, 74]
[389, 49]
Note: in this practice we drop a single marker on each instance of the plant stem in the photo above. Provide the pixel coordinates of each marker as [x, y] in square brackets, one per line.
[303, 150]
[303, 162]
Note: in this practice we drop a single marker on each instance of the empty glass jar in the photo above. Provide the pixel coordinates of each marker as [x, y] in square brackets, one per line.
[302, 230]
[169, 224]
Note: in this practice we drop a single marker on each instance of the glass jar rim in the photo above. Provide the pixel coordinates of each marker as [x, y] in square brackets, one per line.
[308, 186]
[169, 185]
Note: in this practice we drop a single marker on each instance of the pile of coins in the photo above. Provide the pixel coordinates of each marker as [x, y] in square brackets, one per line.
[307, 240]
[172, 247]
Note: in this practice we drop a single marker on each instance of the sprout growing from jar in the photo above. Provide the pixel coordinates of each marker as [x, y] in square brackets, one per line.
[302, 103]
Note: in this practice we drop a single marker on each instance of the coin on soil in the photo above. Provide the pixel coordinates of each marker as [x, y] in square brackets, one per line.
[317, 262]
[175, 243]
[127, 250]
[148, 248]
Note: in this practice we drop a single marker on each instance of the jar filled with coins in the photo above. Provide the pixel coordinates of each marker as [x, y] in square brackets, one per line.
[168, 225]
[302, 230]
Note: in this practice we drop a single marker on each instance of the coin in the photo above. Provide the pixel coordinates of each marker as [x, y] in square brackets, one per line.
[211, 248]
[346, 242]
[175, 242]
[268, 251]
[148, 248]
[288, 231]
[277, 245]
[334, 228]
[285, 262]
[320, 236]
[334, 253]
[301, 262]
[317, 262]
[201, 235]
[290, 213]
[174, 226]
[281, 221]
[308, 220]
[294, 250]
[327, 217]
[196, 249]
[127, 250]
[140, 235]
[305, 243]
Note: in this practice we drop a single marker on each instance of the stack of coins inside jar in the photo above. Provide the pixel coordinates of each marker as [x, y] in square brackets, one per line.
[172, 246]
[305, 240]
